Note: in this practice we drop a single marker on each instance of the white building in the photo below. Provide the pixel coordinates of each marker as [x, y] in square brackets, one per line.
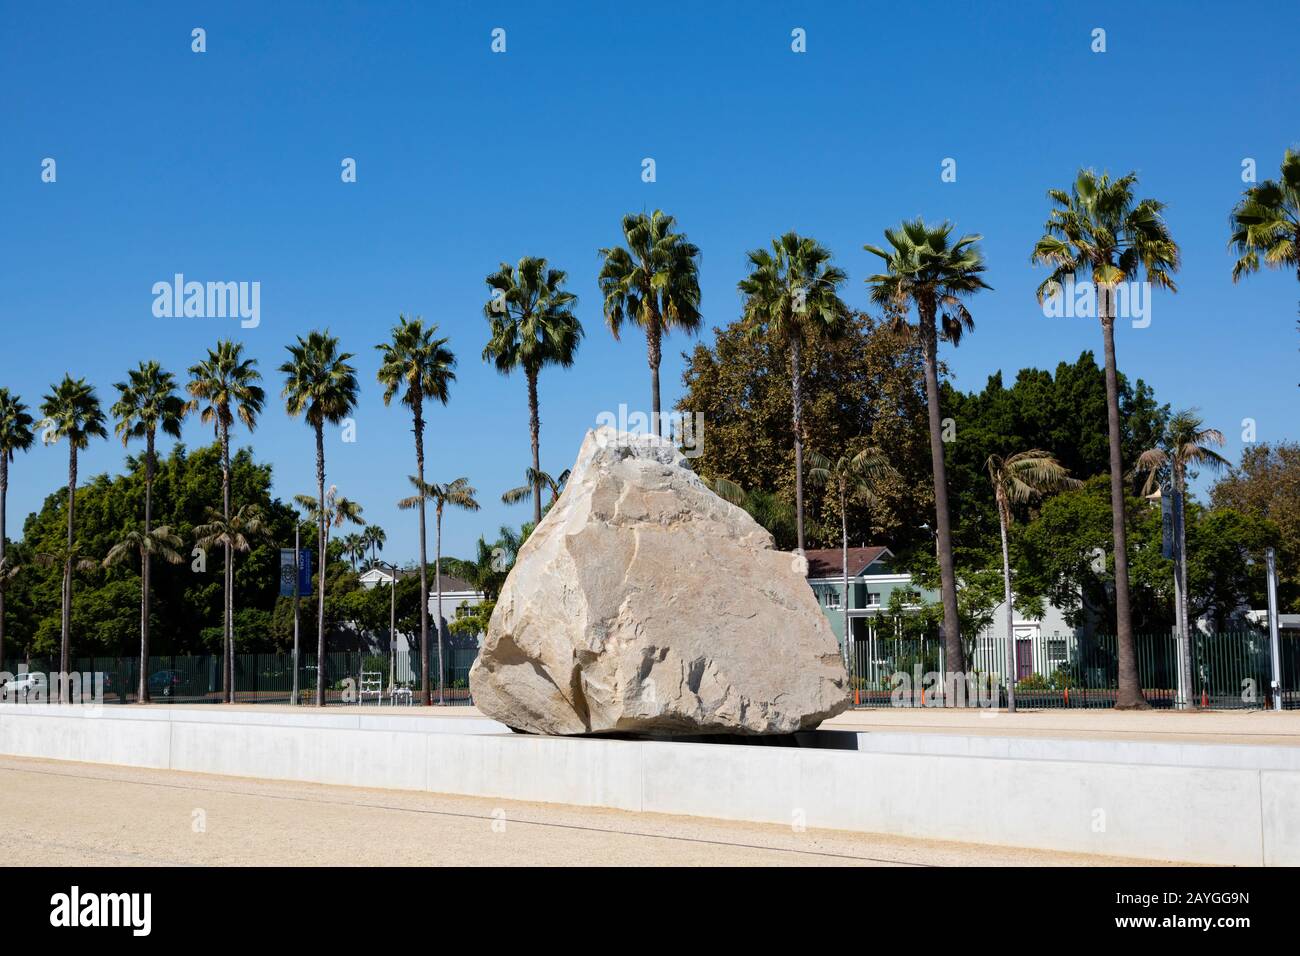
[458, 596]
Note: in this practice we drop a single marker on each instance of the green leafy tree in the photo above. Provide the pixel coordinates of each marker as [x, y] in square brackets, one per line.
[147, 402]
[865, 386]
[417, 365]
[458, 494]
[653, 282]
[15, 436]
[924, 268]
[1266, 485]
[1061, 413]
[1099, 230]
[321, 387]
[71, 412]
[792, 296]
[1225, 566]
[223, 388]
[531, 325]
[186, 607]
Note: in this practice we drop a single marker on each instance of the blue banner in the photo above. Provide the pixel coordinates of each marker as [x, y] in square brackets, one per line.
[286, 572]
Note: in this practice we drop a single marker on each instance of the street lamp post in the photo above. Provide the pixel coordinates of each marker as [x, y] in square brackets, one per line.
[1270, 559]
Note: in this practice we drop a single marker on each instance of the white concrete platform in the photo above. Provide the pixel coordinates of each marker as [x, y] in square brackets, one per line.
[1172, 800]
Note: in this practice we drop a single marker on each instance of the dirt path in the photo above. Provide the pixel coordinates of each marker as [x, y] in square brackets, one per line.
[96, 815]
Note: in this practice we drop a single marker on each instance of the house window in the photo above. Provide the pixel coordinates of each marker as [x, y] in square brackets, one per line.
[832, 599]
[873, 599]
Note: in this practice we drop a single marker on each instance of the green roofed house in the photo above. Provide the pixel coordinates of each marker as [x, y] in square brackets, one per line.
[872, 583]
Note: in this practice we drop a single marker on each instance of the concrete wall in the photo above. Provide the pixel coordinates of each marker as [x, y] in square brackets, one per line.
[1240, 805]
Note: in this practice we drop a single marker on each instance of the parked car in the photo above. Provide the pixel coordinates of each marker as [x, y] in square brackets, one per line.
[23, 685]
[166, 684]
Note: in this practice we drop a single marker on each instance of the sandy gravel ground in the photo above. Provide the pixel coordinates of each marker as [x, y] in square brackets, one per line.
[76, 814]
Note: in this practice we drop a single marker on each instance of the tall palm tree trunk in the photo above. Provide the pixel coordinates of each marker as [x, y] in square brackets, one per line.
[437, 577]
[142, 694]
[1184, 600]
[535, 430]
[4, 495]
[1006, 598]
[796, 390]
[227, 579]
[323, 554]
[1129, 696]
[425, 689]
[947, 576]
[65, 637]
[654, 355]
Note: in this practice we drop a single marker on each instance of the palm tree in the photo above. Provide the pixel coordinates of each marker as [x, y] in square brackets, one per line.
[158, 541]
[924, 268]
[1020, 479]
[791, 295]
[338, 511]
[375, 541]
[532, 325]
[71, 411]
[1186, 445]
[418, 364]
[70, 557]
[536, 479]
[653, 282]
[850, 475]
[321, 386]
[354, 548]
[1267, 222]
[222, 388]
[147, 402]
[235, 535]
[459, 494]
[15, 436]
[1097, 229]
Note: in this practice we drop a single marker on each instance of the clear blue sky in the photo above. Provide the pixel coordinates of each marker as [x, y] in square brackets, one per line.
[225, 166]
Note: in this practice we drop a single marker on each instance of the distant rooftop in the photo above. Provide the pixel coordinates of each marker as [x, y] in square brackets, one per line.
[829, 562]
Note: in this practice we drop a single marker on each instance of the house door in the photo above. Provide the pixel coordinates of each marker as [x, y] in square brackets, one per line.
[1025, 635]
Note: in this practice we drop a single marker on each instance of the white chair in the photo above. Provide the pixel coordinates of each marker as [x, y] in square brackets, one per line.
[372, 683]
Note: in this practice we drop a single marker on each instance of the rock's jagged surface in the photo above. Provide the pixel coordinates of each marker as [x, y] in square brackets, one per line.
[644, 603]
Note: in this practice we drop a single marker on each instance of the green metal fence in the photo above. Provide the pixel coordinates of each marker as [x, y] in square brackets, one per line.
[268, 678]
[1229, 670]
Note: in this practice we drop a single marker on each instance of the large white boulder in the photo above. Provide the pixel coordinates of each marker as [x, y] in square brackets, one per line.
[644, 603]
